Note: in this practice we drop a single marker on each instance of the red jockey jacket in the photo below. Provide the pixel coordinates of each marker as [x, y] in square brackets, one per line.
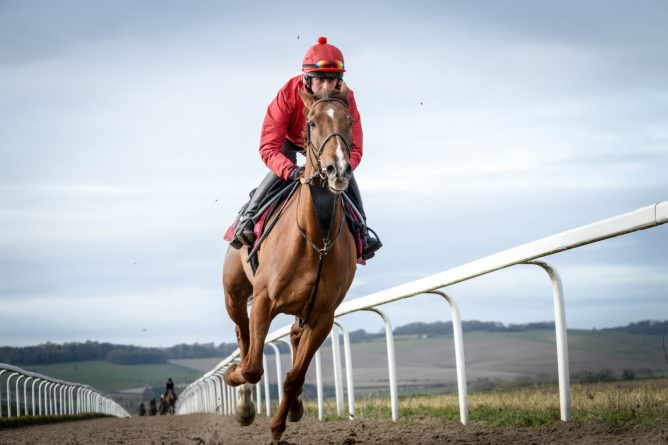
[285, 119]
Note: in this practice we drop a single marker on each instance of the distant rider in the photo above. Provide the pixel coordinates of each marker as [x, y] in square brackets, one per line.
[169, 386]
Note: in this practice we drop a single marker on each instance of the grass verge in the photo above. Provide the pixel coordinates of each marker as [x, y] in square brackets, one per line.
[15, 422]
[614, 405]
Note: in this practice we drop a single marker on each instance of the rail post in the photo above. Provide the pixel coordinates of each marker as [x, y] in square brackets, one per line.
[25, 394]
[32, 390]
[279, 372]
[18, 395]
[9, 394]
[318, 384]
[2, 371]
[39, 397]
[561, 338]
[460, 361]
[391, 362]
[62, 400]
[258, 396]
[350, 385]
[265, 377]
[336, 365]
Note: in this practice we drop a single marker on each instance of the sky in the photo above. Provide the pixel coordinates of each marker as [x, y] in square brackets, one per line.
[130, 132]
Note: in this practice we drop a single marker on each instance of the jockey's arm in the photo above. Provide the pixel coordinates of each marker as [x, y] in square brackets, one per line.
[274, 130]
[356, 149]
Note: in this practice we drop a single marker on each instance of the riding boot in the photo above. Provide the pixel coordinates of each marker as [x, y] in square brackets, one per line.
[370, 244]
[244, 233]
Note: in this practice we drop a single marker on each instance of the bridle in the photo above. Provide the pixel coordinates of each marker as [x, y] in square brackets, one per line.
[313, 153]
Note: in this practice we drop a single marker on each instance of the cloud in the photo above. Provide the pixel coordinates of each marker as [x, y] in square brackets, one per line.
[130, 141]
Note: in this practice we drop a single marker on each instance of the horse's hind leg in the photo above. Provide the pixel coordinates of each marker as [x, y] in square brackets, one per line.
[237, 291]
[311, 337]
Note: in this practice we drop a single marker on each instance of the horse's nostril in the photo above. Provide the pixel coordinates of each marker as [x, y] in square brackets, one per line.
[331, 170]
[349, 170]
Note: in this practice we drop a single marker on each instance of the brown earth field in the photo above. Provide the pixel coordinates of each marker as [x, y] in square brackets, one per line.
[209, 429]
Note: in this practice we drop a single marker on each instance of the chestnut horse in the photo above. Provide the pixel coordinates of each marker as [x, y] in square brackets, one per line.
[306, 264]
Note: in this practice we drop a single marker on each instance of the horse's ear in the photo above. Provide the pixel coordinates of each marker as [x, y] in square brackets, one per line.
[307, 98]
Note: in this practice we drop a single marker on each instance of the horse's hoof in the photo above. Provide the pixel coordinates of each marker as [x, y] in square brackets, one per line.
[296, 411]
[276, 433]
[246, 414]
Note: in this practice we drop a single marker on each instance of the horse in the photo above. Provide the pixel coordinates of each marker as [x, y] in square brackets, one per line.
[306, 264]
[169, 401]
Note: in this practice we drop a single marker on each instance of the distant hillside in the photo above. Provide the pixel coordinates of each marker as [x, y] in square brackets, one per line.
[49, 353]
[646, 327]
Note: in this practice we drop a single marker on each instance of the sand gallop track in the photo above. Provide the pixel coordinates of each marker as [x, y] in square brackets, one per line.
[208, 429]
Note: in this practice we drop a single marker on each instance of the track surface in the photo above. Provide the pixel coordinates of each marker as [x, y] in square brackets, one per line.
[207, 429]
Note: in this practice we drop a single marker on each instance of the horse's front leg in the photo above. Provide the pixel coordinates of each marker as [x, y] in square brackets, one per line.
[249, 370]
[311, 337]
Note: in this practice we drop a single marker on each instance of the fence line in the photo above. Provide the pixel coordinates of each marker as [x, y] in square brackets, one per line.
[60, 397]
[196, 397]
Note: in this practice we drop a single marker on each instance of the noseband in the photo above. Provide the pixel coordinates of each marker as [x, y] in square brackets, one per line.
[313, 152]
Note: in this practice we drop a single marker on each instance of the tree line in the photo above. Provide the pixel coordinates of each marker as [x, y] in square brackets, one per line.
[120, 354]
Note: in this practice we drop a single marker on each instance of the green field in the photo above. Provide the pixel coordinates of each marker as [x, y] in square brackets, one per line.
[107, 376]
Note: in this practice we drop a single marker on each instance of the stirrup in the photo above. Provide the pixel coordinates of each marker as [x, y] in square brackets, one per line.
[244, 234]
[371, 244]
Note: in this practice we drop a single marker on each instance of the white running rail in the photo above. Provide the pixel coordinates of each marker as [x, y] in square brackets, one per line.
[201, 396]
[54, 397]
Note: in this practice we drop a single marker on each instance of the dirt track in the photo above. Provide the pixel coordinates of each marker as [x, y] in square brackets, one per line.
[215, 430]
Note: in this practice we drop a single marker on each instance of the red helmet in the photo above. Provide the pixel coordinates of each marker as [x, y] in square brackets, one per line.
[323, 60]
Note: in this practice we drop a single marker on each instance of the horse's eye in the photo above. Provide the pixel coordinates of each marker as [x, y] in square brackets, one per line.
[311, 124]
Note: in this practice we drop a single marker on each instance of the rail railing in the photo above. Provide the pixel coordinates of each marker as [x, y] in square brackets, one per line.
[210, 393]
[48, 396]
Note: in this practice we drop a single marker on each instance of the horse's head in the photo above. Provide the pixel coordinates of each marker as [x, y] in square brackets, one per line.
[329, 137]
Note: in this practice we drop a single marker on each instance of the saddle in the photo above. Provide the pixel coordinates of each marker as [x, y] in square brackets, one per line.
[274, 204]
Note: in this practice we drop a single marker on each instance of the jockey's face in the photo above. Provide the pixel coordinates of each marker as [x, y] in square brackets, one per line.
[321, 85]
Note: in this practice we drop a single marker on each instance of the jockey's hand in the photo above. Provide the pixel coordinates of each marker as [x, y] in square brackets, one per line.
[296, 173]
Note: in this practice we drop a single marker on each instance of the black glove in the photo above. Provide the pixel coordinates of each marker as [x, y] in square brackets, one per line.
[296, 173]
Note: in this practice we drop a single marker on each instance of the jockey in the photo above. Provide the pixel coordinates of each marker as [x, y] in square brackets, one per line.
[282, 138]
[169, 385]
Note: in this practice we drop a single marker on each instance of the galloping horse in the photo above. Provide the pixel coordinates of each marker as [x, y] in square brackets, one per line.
[306, 264]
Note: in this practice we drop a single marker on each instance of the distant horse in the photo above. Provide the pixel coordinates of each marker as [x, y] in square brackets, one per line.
[306, 264]
[152, 409]
[169, 401]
